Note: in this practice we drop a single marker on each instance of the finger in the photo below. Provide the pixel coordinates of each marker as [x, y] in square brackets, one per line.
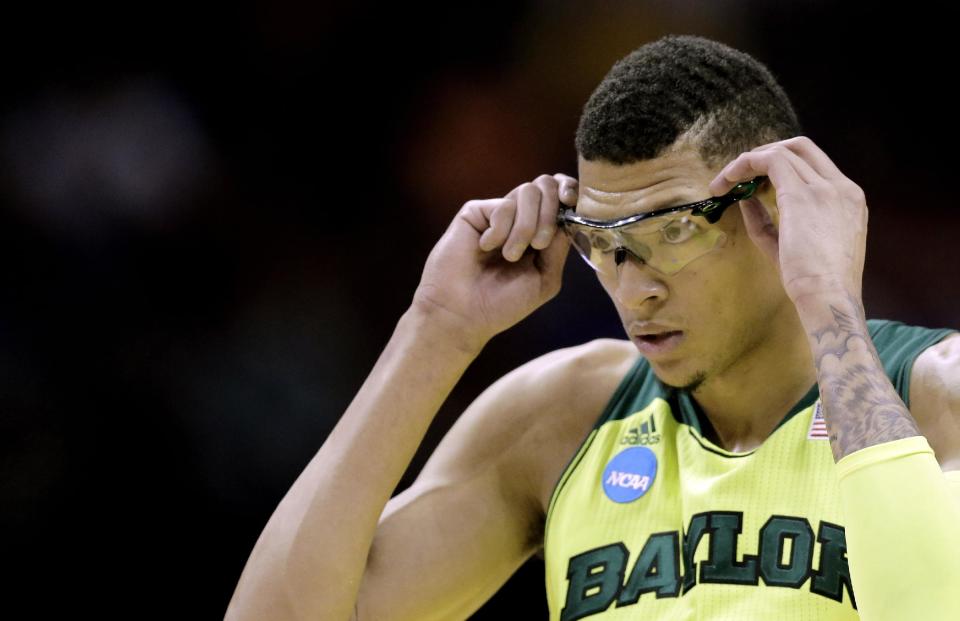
[807, 173]
[814, 155]
[780, 168]
[525, 222]
[501, 221]
[547, 216]
[569, 188]
[477, 213]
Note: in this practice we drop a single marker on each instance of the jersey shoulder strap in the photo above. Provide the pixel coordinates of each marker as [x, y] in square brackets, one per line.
[899, 345]
[636, 390]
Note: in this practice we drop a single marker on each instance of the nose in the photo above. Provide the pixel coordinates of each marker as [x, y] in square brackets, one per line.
[639, 285]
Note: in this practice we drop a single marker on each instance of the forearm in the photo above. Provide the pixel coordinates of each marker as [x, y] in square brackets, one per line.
[860, 404]
[899, 511]
[312, 553]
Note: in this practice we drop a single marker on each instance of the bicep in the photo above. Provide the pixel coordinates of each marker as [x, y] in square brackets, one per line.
[447, 543]
[443, 547]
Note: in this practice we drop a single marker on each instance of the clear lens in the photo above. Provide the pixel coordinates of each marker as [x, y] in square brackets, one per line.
[666, 248]
[679, 231]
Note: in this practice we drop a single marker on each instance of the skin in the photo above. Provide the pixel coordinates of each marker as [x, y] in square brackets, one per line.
[818, 245]
[739, 325]
[338, 546]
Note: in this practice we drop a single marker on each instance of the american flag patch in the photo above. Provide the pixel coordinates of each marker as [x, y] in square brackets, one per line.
[818, 425]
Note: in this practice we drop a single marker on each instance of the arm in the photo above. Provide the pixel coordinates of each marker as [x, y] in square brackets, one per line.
[904, 548]
[311, 557]
[901, 511]
[475, 513]
[860, 403]
[446, 544]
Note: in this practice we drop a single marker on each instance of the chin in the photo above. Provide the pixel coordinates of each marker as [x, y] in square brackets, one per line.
[689, 381]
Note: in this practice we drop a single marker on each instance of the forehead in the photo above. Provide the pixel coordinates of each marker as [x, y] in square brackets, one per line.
[609, 190]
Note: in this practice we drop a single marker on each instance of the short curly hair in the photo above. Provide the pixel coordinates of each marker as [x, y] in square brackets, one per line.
[718, 99]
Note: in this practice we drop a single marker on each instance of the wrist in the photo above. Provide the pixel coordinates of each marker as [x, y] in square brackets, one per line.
[803, 289]
[442, 328]
[817, 309]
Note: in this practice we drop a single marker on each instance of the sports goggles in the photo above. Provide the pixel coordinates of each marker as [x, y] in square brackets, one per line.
[666, 244]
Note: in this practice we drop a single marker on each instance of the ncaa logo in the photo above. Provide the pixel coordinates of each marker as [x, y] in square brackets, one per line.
[630, 474]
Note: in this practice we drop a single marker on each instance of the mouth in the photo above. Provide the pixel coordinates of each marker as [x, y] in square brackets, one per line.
[659, 343]
[659, 337]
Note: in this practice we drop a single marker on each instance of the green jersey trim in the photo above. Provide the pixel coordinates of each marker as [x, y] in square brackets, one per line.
[899, 346]
[638, 370]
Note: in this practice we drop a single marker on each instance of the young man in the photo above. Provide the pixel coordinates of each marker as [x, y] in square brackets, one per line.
[748, 452]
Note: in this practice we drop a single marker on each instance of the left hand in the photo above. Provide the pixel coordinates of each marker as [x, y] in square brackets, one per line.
[821, 241]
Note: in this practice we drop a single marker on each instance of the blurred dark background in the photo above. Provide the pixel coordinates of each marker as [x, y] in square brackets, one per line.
[211, 218]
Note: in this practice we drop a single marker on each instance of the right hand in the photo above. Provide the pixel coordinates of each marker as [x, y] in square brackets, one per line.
[499, 260]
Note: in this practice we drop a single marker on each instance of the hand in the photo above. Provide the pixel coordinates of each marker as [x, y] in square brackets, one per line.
[817, 231]
[499, 260]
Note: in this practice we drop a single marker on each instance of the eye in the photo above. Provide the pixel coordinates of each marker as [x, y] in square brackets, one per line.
[679, 231]
[601, 242]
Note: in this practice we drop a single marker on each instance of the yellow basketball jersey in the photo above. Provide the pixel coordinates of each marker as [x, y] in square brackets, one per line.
[651, 520]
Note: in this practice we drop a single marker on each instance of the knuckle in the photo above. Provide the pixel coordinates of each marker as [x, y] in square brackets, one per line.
[763, 147]
[566, 184]
[780, 148]
[520, 190]
[769, 156]
[855, 192]
[523, 230]
[503, 212]
[549, 182]
[546, 186]
[794, 140]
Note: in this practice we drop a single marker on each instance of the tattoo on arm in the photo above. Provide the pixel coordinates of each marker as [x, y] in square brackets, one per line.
[860, 405]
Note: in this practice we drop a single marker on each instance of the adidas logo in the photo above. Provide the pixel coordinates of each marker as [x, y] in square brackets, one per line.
[646, 433]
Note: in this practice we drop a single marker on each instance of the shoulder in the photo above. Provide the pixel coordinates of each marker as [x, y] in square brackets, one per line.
[569, 391]
[565, 385]
[528, 423]
[547, 390]
[940, 361]
[935, 398]
[899, 347]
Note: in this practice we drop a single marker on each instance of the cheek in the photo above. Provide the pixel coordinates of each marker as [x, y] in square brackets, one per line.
[609, 285]
[743, 265]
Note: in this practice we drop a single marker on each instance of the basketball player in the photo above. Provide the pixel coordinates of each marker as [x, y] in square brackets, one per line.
[755, 449]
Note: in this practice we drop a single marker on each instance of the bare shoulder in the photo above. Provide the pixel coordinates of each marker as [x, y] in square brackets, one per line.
[587, 379]
[529, 423]
[935, 399]
[564, 384]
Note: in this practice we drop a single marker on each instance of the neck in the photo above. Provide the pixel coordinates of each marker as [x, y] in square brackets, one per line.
[745, 402]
